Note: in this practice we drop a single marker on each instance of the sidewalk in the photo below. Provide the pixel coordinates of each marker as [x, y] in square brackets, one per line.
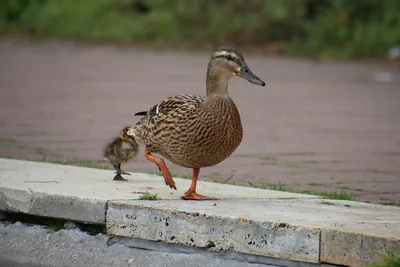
[245, 220]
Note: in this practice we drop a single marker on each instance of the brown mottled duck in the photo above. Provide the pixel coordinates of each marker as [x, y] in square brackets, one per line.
[195, 131]
[120, 150]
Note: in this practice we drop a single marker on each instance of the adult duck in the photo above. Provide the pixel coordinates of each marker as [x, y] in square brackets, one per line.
[196, 131]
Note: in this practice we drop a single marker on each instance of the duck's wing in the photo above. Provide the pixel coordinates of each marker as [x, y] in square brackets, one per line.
[174, 105]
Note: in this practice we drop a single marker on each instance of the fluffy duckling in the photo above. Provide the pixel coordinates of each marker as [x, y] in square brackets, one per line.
[120, 150]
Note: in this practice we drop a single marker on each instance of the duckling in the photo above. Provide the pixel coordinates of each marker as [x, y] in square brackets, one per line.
[120, 150]
[195, 131]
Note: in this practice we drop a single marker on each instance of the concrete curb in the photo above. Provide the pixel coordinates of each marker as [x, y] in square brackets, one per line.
[87, 210]
[262, 222]
[216, 232]
[296, 229]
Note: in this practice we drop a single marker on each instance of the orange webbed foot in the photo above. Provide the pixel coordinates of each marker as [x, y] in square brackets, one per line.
[163, 168]
[191, 195]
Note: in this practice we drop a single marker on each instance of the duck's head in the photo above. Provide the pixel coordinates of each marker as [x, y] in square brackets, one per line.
[126, 137]
[226, 62]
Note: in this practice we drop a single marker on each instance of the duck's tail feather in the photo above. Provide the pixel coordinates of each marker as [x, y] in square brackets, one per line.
[141, 113]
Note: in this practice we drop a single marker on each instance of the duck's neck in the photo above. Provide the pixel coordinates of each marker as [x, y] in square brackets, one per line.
[217, 81]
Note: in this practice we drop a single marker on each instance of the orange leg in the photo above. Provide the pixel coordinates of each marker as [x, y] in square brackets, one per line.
[191, 193]
[163, 168]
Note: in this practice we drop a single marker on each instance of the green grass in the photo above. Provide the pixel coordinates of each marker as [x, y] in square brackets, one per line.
[268, 158]
[336, 29]
[8, 142]
[316, 184]
[390, 260]
[96, 164]
[327, 203]
[342, 195]
[227, 180]
[56, 159]
[357, 189]
[336, 225]
[103, 164]
[391, 203]
[149, 196]
[12, 143]
[278, 187]
[379, 171]
[336, 195]
[344, 187]
[53, 156]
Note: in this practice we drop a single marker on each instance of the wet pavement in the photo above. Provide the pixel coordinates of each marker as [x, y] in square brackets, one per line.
[318, 126]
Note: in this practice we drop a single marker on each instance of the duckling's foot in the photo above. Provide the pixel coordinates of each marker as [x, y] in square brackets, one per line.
[123, 172]
[118, 169]
[191, 195]
[118, 177]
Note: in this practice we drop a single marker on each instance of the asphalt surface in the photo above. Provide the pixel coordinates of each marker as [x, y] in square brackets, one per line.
[33, 246]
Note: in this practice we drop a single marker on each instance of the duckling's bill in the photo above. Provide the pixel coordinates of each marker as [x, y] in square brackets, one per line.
[247, 74]
[133, 141]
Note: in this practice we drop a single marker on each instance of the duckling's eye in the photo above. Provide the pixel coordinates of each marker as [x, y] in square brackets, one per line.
[229, 57]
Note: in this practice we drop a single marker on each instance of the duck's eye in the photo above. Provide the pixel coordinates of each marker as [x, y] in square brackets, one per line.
[229, 57]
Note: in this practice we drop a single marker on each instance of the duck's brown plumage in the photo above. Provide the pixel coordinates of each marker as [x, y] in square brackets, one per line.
[196, 131]
[196, 122]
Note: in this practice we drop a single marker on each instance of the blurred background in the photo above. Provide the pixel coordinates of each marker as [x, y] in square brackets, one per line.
[326, 29]
[73, 73]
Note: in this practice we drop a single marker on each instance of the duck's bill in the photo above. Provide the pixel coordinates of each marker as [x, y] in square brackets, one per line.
[246, 73]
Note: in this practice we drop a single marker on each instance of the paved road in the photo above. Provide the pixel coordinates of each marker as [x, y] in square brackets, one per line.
[35, 246]
[321, 126]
